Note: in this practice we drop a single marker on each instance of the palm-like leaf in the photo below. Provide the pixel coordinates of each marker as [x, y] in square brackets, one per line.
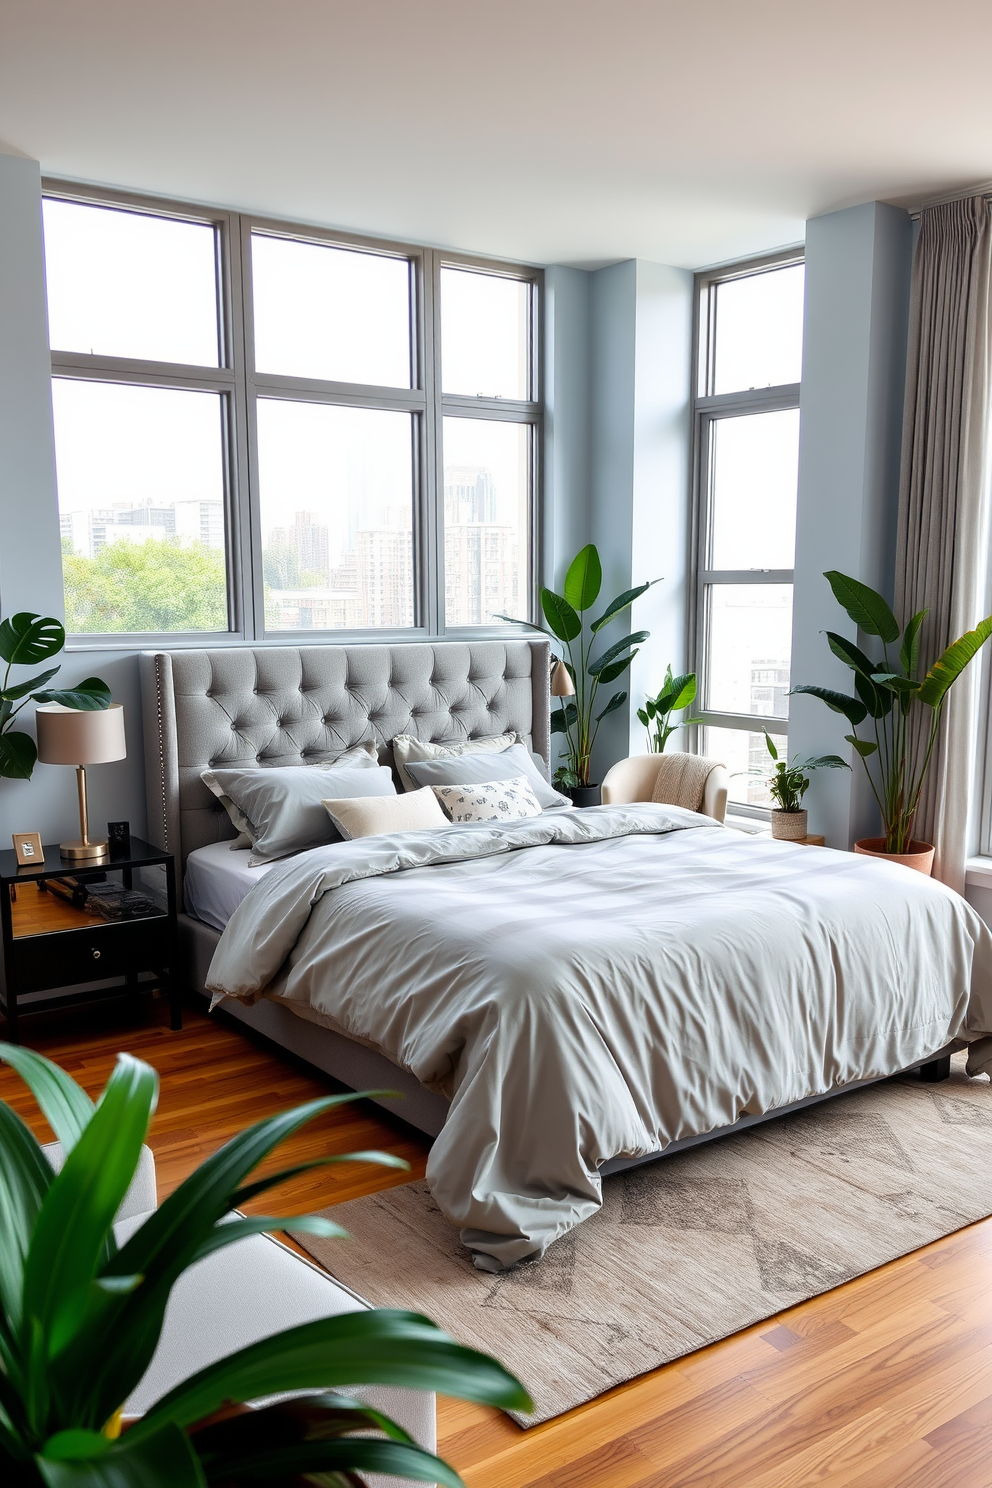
[11, 694]
[560, 615]
[584, 579]
[616, 701]
[622, 602]
[382, 1346]
[64, 1104]
[952, 662]
[853, 710]
[866, 607]
[89, 696]
[165, 1460]
[909, 651]
[601, 662]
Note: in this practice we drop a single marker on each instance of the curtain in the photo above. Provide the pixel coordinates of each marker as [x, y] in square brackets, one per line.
[942, 543]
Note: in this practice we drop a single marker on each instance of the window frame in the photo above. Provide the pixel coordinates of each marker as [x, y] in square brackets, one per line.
[241, 384]
[708, 409]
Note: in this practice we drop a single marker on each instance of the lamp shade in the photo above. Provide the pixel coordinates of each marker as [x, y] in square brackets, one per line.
[67, 736]
[561, 681]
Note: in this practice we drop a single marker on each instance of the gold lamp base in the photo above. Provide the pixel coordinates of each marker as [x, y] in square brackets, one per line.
[79, 850]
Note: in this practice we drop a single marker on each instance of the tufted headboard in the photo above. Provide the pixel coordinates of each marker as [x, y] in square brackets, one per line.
[298, 705]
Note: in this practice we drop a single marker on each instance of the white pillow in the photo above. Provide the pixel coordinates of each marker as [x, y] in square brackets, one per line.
[370, 816]
[362, 756]
[494, 800]
[283, 805]
[406, 748]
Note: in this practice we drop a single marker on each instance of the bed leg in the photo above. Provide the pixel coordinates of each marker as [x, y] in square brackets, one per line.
[937, 1069]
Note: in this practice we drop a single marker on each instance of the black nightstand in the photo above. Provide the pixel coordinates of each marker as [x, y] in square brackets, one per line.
[64, 924]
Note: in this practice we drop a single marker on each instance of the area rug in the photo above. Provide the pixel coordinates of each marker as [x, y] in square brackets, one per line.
[691, 1248]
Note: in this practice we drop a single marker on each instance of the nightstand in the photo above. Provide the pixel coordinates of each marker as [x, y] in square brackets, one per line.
[64, 925]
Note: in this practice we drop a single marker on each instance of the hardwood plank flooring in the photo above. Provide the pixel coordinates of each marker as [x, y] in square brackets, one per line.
[885, 1382]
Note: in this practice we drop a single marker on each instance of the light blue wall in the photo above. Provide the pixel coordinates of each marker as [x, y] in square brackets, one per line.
[567, 431]
[857, 295]
[30, 566]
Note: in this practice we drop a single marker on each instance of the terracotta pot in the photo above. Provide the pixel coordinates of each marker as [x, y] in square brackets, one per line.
[920, 855]
[789, 826]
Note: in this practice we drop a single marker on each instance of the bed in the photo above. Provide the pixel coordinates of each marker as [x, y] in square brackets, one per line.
[559, 995]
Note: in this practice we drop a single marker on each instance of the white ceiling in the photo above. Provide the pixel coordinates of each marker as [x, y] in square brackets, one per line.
[552, 130]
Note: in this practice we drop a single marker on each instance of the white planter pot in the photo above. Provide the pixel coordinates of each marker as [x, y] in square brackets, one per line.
[789, 826]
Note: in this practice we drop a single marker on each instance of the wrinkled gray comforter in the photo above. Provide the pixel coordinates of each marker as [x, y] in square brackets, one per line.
[591, 984]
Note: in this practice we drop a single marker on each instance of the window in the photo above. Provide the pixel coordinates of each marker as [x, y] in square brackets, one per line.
[262, 428]
[749, 359]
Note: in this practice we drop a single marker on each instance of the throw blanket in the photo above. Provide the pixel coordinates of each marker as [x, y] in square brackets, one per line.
[591, 984]
[681, 780]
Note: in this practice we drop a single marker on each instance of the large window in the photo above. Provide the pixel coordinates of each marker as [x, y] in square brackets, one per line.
[262, 429]
[749, 357]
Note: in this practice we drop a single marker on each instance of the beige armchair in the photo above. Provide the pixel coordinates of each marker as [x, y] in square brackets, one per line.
[633, 779]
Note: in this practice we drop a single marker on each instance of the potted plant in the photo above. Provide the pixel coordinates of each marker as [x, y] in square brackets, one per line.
[787, 784]
[576, 717]
[25, 640]
[899, 707]
[656, 715]
[80, 1321]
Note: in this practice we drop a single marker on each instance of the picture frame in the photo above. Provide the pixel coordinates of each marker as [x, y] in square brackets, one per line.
[27, 846]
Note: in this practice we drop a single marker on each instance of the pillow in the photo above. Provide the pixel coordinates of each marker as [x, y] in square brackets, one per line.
[491, 800]
[487, 767]
[283, 808]
[406, 748]
[368, 816]
[361, 756]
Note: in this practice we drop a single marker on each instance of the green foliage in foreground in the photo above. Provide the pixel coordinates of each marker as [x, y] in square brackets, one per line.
[80, 1318]
[163, 584]
[676, 694]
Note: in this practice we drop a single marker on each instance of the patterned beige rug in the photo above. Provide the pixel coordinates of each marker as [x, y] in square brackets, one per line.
[694, 1247]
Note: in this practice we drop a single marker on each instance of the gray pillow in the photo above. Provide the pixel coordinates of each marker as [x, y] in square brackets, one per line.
[362, 756]
[480, 769]
[283, 806]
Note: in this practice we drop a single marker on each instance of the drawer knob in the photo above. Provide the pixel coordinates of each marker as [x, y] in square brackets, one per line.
[96, 955]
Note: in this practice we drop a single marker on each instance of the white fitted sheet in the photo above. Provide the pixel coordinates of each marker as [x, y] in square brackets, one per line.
[217, 880]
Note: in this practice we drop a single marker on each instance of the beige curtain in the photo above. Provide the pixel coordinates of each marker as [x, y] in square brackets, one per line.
[942, 546]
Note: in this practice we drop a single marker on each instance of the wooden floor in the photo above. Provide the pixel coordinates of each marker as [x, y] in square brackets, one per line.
[884, 1383]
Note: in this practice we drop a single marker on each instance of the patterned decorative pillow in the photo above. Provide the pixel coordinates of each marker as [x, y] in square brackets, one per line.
[493, 800]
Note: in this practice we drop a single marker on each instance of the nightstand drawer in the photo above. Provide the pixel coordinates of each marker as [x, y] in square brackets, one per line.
[89, 955]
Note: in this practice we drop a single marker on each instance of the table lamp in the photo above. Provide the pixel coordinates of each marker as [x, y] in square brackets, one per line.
[562, 685]
[68, 736]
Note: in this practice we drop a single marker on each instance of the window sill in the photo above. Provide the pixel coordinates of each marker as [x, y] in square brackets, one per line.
[751, 826]
[978, 872]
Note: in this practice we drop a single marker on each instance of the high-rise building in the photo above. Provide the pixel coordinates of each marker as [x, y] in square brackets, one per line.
[469, 494]
[308, 540]
[385, 576]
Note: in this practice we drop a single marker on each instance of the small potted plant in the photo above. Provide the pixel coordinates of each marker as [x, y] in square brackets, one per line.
[787, 784]
[676, 694]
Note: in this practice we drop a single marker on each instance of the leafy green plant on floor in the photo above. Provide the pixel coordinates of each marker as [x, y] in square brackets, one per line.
[80, 1317]
[26, 640]
[576, 718]
[903, 708]
[677, 693]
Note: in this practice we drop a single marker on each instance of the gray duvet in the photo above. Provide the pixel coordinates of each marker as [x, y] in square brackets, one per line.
[587, 985]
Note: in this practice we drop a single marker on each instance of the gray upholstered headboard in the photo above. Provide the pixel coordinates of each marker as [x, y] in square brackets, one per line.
[297, 705]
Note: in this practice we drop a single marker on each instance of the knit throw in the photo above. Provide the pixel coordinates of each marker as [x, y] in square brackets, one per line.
[681, 780]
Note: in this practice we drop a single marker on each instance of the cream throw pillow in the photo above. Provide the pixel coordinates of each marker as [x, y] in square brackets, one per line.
[495, 800]
[370, 816]
[407, 748]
